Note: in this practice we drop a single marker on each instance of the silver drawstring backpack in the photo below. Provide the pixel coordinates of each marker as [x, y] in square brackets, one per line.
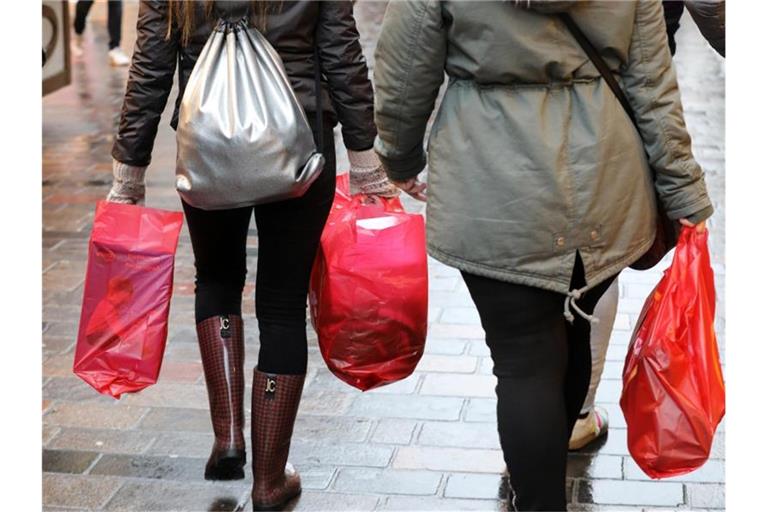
[243, 138]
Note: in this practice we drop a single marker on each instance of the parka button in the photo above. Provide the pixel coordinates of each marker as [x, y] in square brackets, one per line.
[560, 241]
[594, 235]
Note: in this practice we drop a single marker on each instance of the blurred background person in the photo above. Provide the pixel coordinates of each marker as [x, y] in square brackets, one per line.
[117, 56]
[709, 16]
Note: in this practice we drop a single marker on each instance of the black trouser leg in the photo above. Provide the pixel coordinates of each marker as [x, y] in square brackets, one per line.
[81, 13]
[289, 236]
[218, 242]
[114, 22]
[543, 366]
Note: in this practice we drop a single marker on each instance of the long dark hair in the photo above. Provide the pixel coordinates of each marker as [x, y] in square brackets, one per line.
[182, 13]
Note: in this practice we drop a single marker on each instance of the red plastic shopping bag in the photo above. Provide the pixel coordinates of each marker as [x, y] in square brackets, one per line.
[128, 285]
[674, 396]
[368, 294]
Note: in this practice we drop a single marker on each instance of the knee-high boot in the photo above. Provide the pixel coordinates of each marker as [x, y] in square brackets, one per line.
[222, 350]
[275, 402]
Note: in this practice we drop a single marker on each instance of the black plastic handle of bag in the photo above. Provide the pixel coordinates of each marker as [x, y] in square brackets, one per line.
[600, 64]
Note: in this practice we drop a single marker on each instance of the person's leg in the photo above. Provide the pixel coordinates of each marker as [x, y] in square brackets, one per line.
[673, 11]
[593, 421]
[289, 236]
[81, 14]
[579, 350]
[526, 333]
[114, 22]
[218, 242]
[605, 311]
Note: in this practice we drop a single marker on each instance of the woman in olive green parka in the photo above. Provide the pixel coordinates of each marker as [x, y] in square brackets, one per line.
[540, 190]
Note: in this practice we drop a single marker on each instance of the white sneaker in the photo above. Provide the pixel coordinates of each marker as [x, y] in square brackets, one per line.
[77, 46]
[117, 57]
[588, 429]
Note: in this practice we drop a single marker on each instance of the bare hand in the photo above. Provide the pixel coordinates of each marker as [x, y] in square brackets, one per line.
[700, 227]
[413, 187]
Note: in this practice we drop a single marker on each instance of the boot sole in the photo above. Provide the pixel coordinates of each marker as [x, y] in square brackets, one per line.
[226, 468]
[275, 506]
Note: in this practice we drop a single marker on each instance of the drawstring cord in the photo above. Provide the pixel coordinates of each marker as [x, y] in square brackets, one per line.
[570, 302]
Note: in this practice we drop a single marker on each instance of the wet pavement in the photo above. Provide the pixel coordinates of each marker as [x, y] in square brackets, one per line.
[426, 443]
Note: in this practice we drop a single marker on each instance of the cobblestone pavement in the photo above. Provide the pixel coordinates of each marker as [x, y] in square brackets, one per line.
[428, 442]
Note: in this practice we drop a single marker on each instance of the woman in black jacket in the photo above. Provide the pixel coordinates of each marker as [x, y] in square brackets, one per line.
[171, 35]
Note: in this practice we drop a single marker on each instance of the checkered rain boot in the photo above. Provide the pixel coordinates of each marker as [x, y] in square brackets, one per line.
[221, 347]
[274, 405]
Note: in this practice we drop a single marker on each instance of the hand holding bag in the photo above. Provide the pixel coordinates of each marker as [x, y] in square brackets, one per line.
[243, 138]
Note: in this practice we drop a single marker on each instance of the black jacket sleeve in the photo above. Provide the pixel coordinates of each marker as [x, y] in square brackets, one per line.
[150, 79]
[345, 69]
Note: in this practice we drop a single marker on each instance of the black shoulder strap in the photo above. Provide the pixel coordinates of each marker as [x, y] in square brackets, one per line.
[599, 63]
[318, 102]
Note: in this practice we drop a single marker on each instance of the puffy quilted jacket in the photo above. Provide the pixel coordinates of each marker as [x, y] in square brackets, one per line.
[294, 30]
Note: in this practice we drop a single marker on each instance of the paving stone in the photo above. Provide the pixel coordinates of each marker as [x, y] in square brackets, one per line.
[406, 386]
[388, 481]
[443, 283]
[414, 407]
[706, 495]
[459, 385]
[316, 401]
[447, 364]
[614, 443]
[170, 394]
[105, 441]
[460, 435]
[481, 410]
[394, 431]
[713, 471]
[477, 486]
[176, 419]
[116, 416]
[187, 372]
[315, 477]
[67, 461]
[479, 348]
[624, 492]
[332, 428]
[57, 344]
[594, 466]
[609, 391]
[315, 453]
[182, 444]
[74, 389]
[449, 459]
[49, 433]
[142, 496]
[402, 503]
[486, 366]
[445, 346]
[464, 331]
[148, 466]
[448, 299]
[62, 490]
[468, 316]
[327, 501]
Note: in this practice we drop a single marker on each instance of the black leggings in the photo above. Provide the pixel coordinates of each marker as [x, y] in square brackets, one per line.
[543, 365]
[114, 19]
[289, 235]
